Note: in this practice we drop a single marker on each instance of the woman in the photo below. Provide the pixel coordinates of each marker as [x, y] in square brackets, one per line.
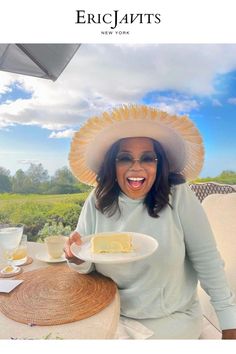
[140, 158]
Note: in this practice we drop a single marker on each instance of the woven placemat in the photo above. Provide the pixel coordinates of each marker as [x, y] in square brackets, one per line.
[57, 295]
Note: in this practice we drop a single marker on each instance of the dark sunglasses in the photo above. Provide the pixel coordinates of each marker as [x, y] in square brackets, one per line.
[145, 161]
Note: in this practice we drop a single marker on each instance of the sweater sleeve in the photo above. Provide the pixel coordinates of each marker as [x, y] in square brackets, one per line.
[83, 268]
[203, 253]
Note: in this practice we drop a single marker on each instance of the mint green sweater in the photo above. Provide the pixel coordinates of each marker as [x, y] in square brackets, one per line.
[166, 281]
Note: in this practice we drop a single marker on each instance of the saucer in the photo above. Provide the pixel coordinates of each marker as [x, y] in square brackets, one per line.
[9, 275]
[44, 257]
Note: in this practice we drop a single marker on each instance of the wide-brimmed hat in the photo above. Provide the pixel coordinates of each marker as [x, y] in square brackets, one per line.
[178, 136]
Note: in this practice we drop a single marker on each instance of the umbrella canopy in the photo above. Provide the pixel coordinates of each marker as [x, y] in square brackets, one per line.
[46, 61]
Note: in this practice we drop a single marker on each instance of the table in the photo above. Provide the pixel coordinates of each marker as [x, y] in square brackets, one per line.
[103, 325]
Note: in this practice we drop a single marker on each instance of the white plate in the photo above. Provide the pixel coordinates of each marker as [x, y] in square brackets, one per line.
[44, 257]
[143, 246]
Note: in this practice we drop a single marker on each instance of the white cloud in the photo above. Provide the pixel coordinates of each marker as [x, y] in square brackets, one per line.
[176, 105]
[28, 161]
[216, 103]
[232, 100]
[4, 124]
[63, 134]
[101, 76]
[7, 80]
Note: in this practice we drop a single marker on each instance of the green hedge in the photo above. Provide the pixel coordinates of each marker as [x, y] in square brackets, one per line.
[34, 211]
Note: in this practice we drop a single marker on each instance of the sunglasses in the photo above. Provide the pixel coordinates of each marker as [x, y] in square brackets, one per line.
[145, 161]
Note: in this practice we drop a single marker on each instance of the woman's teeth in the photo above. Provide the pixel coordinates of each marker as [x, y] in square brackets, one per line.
[135, 178]
[135, 182]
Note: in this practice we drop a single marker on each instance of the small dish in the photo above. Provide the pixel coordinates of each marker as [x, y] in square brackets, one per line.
[44, 257]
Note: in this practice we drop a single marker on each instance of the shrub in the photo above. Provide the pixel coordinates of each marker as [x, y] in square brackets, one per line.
[53, 229]
[34, 211]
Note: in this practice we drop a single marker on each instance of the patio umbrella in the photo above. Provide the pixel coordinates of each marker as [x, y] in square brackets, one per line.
[45, 61]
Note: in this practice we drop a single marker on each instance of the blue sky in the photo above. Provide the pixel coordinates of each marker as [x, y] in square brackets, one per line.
[38, 117]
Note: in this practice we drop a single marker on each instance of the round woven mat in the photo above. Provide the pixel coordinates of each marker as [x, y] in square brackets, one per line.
[57, 295]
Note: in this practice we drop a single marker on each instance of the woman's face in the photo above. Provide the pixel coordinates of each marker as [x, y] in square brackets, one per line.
[136, 178]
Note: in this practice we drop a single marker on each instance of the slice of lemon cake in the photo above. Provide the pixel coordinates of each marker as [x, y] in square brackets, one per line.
[111, 243]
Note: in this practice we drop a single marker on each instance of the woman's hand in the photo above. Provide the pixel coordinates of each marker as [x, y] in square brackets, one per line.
[73, 238]
[229, 334]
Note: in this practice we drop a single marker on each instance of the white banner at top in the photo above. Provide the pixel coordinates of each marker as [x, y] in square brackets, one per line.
[117, 21]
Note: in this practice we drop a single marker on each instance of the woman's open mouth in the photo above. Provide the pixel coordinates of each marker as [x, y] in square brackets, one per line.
[135, 182]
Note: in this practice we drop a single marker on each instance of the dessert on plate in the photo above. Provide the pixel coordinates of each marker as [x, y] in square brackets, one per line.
[112, 243]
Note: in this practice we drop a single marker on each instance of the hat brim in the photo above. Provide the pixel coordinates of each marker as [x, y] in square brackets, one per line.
[178, 136]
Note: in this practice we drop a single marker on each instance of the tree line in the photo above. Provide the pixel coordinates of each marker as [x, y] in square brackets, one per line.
[36, 180]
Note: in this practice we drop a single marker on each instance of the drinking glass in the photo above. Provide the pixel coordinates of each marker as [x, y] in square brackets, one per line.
[10, 237]
[20, 255]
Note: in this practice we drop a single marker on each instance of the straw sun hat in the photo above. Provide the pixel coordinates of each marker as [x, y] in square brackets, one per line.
[178, 136]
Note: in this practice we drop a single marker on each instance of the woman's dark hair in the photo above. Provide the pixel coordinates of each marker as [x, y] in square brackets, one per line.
[108, 190]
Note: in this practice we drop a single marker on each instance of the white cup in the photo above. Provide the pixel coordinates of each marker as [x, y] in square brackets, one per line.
[55, 245]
